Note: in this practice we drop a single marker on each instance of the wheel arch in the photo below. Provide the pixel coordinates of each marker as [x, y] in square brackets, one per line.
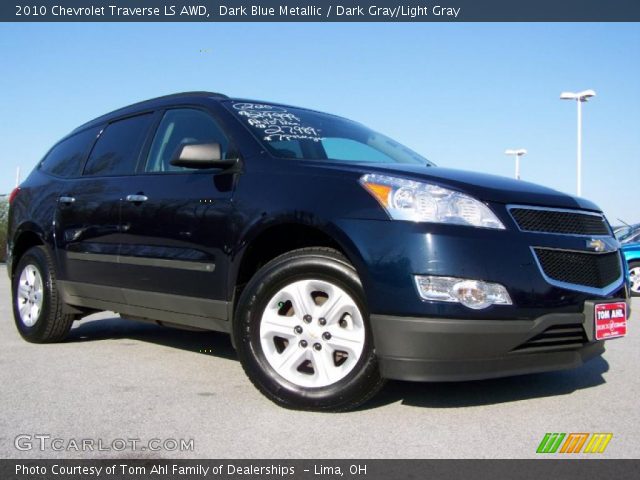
[266, 241]
[27, 236]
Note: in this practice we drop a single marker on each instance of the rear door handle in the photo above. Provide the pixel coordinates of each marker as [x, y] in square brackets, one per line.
[137, 198]
[67, 200]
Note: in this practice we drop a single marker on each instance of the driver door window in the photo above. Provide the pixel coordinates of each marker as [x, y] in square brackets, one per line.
[179, 127]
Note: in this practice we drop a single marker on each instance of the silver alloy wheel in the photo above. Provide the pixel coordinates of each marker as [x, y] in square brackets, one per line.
[312, 333]
[634, 275]
[30, 295]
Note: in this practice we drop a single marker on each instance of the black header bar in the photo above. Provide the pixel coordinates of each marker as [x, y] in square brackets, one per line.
[129, 469]
[320, 11]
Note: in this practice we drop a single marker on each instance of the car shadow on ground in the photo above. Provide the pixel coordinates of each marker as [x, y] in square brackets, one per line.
[493, 391]
[430, 395]
[202, 342]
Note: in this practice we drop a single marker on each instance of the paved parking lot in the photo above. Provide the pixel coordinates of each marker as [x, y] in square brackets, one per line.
[119, 379]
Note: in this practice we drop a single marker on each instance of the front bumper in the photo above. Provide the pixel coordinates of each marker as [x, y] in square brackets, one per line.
[389, 254]
[442, 349]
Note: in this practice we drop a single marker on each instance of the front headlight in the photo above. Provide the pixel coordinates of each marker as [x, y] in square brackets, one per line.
[425, 202]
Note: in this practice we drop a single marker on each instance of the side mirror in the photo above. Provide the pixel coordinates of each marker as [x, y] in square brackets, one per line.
[201, 155]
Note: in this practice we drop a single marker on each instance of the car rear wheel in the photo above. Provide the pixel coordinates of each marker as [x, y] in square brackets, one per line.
[37, 307]
[303, 335]
[634, 276]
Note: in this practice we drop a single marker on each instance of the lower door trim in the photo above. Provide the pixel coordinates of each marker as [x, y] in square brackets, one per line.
[193, 312]
[143, 261]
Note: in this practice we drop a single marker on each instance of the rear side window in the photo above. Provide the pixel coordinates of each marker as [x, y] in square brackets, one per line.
[65, 159]
[117, 149]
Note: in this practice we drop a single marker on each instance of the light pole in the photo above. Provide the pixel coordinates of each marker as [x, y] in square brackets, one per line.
[579, 97]
[516, 153]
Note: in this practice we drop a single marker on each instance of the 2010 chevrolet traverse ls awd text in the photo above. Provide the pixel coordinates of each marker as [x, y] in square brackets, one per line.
[334, 256]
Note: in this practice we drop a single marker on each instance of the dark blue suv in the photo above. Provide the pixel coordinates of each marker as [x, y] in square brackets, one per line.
[334, 256]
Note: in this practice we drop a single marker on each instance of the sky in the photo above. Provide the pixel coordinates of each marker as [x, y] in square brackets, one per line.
[459, 94]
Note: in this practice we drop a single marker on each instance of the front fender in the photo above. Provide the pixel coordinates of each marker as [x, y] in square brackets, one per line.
[294, 218]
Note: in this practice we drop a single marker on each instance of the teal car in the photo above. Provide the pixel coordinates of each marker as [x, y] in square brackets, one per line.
[632, 255]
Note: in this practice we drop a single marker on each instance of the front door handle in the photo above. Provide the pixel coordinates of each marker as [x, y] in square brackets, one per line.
[67, 200]
[137, 198]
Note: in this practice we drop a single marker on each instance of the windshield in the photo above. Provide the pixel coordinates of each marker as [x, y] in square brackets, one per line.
[627, 234]
[622, 232]
[631, 237]
[288, 132]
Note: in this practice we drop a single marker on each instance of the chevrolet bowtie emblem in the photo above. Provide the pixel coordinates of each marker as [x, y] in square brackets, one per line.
[596, 245]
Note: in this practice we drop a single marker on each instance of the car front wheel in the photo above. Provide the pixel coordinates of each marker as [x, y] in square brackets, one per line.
[303, 335]
[634, 276]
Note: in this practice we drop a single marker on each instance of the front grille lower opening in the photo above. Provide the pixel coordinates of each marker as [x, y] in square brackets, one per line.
[577, 268]
[557, 337]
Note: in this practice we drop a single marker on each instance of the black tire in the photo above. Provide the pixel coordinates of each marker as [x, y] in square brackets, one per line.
[635, 293]
[51, 324]
[325, 264]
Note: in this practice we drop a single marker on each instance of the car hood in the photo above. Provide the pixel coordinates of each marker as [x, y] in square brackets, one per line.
[631, 247]
[489, 188]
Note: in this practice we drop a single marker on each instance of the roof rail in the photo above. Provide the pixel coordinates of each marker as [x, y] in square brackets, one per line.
[149, 101]
[171, 95]
[196, 93]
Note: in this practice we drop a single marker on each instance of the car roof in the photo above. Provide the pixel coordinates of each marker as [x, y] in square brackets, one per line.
[167, 100]
[149, 105]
